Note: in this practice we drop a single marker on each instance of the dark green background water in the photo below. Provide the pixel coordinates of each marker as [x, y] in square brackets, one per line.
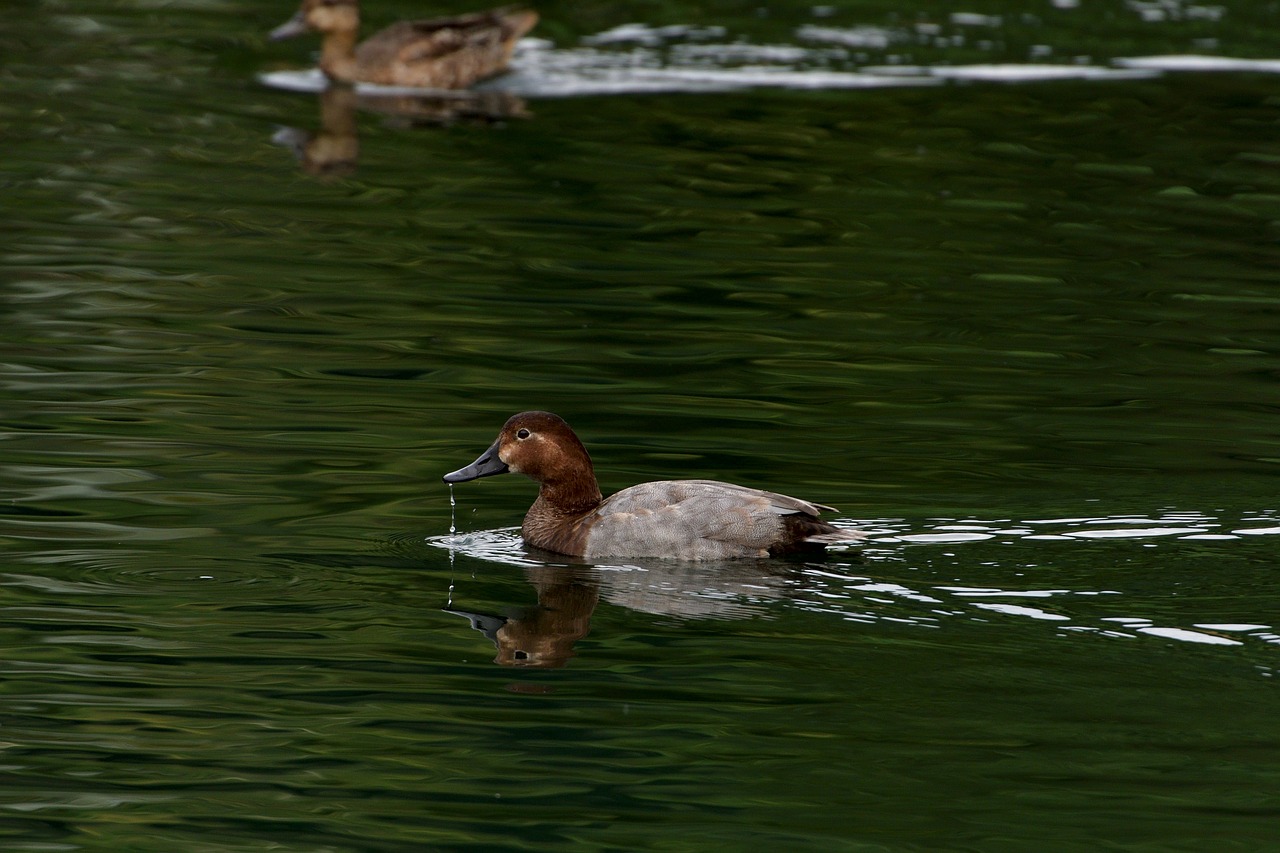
[1026, 335]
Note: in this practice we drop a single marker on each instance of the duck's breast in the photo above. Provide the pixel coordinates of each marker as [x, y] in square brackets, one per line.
[690, 520]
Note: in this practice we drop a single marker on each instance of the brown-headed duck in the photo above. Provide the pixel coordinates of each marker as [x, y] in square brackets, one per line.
[443, 53]
[678, 519]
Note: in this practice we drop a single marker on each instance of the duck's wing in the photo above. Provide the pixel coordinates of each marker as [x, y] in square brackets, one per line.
[800, 524]
[447, 53]
[778, 504]
[701, 519]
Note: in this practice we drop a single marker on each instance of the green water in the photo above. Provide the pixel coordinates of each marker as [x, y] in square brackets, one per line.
[1023, 334]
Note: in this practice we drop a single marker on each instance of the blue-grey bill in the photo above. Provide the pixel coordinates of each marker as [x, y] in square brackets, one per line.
[295, 26]
[486, 466]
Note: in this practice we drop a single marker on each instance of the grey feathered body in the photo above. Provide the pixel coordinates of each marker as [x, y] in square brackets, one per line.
[722, 520]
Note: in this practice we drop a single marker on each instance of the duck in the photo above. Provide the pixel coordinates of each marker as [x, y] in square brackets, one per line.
[671, 519]
[441, 53]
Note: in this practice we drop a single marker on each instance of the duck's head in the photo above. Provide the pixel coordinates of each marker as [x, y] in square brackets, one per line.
[539, 445]
[320, 16]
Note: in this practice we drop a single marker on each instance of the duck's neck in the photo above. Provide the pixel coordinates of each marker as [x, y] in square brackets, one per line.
[554, 520]
[571, 496]
[338, 55]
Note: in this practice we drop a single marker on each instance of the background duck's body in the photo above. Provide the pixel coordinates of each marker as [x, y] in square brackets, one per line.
[442, 53]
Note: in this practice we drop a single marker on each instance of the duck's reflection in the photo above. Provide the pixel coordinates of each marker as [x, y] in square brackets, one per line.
[544, 634]
[334, 149]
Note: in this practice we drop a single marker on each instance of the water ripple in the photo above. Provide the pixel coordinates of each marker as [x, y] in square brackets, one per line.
[871, 590]
[635, 59]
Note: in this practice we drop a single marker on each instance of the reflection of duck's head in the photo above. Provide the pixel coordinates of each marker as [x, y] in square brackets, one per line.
[334, 150]
[543, 635]
[442, 53]
[672, 519]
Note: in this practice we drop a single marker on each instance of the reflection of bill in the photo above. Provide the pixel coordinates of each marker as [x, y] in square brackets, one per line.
[334, 149]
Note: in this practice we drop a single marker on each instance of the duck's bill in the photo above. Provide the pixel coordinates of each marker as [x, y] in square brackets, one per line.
[486, 466]
[295, 26]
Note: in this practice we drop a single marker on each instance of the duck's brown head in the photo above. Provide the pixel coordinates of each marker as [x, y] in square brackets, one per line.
[539, 445]
[320, 16]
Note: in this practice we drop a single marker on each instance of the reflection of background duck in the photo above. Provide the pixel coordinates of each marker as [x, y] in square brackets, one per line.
[442, 53]
[544, 634]
[334, 149]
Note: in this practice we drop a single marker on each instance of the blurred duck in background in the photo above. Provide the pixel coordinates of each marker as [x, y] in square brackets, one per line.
[442, 53]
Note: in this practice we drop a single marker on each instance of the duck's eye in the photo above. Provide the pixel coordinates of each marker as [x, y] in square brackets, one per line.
[522, 434]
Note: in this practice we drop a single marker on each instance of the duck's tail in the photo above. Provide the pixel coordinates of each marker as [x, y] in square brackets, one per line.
[516, 22]
[836, 537]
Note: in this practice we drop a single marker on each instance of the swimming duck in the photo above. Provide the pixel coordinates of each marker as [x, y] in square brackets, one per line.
[678, 519]
[443, 53]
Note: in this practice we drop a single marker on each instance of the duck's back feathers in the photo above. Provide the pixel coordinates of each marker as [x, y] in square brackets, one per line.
[704, 520]
[443, 53]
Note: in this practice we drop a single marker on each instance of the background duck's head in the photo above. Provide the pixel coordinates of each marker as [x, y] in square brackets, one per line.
[320, 16]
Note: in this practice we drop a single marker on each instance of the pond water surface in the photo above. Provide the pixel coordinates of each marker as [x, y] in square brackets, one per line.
[999, 282]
